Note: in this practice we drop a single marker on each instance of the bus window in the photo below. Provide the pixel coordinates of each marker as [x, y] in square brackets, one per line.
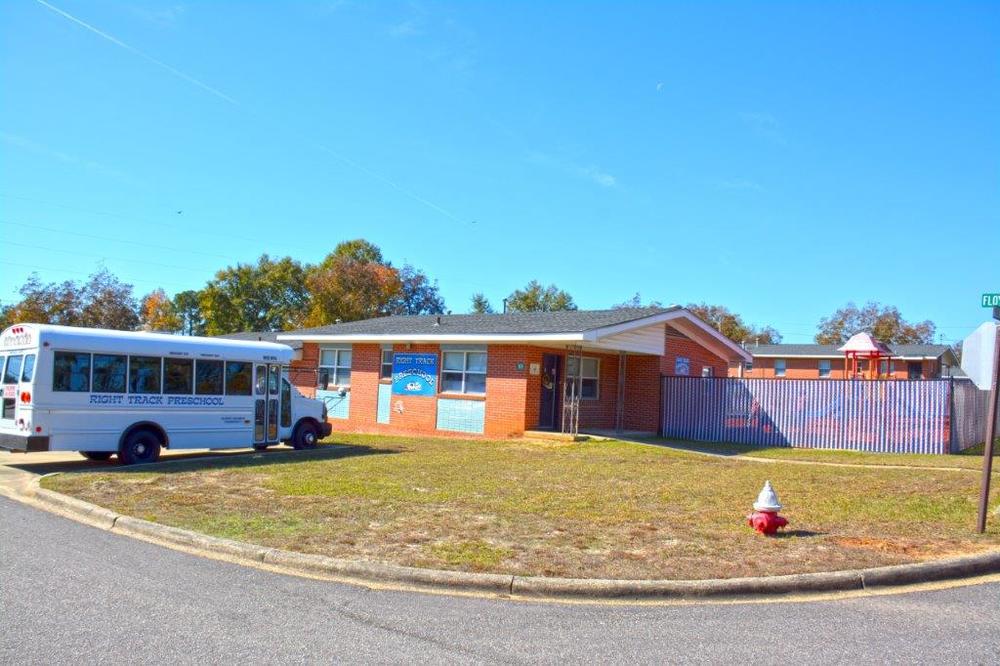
[109, 373]
[28, 373]
[286, 404]
[13, 371]
[10, 376]
[144, 374]
[71, 372]
[208, 377]
[238, 377]
[272, 380]
[261, 379]
[178, 376]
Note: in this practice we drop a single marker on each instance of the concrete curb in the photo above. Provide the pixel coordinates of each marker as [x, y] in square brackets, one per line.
[537, 587]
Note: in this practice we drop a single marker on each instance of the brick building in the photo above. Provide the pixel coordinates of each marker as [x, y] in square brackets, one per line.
[499, 375]
[810, 361]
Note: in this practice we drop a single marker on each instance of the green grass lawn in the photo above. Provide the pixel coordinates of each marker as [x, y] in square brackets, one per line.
[588, 509]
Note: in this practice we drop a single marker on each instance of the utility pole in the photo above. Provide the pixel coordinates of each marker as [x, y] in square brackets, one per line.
[991, 423]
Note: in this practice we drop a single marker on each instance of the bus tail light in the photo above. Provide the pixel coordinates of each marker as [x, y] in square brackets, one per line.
[25, 397]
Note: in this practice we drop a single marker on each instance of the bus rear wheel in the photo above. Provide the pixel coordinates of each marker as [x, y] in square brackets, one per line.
[97, 455]
[141, 446]
[306, 436]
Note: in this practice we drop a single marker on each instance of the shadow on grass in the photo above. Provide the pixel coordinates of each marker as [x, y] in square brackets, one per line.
[802, 534]
[204, 460]
[726, 449]
[715, 448]
[977, 450]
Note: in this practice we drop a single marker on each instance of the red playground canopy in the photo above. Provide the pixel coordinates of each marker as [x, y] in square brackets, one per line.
[864, 347]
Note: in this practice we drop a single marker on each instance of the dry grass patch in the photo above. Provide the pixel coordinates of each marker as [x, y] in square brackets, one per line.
[589, 509]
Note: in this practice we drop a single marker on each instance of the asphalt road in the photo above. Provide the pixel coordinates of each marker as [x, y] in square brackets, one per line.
[74, 594]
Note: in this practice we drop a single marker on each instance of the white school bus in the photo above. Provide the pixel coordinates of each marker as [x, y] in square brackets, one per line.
[106, 393]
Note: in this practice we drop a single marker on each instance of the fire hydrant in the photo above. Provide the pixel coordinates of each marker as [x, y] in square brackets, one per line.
[765, 518]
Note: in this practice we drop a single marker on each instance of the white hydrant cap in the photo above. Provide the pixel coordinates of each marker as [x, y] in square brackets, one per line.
[767, 500]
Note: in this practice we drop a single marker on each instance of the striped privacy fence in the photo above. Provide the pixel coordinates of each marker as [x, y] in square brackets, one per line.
[879, 416]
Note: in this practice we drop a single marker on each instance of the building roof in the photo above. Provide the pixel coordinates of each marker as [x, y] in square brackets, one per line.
[637, 330]
[833, 351]
[564, 321]
[261, 336]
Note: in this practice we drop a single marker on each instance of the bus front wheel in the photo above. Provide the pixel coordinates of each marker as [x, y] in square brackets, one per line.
[306, 436]
[97, 455]
[141, 446]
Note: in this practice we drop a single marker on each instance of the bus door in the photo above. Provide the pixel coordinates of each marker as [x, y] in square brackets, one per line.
[267, 403]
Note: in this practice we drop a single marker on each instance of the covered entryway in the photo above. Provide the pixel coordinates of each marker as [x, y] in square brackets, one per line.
[551, 379]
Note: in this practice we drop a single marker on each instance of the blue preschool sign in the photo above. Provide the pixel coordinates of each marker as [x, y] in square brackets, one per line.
[414, 374]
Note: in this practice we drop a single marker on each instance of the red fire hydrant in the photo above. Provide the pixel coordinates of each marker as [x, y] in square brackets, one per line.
[765, 518]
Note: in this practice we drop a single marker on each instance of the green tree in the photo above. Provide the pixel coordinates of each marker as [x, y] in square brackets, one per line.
[480, 304]
[417, 294]
[53, 303]
[103, 301]
[636, 302]
[270, 295]
[187, 305]
[884, 322]
[732, 325]
[157, 313]
[109, 303]
[345, 289]
[359, 250]
[536, 298]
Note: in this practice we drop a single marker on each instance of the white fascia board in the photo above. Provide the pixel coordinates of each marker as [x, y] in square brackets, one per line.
[440, 338]
[830, 356]
[688, 319]
[840, 356]
[663, 318]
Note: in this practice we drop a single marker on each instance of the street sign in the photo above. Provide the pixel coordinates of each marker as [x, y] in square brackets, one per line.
[991, 300]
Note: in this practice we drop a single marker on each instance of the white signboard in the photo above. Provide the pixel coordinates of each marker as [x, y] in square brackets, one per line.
[977, 355]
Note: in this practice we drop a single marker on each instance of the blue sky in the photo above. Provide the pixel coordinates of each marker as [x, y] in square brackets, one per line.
[778, 158]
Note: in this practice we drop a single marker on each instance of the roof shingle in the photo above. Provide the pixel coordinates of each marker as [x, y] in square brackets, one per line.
[568, 321]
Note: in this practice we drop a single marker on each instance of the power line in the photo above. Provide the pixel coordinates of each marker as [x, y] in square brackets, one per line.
[73, 272]
[113, 240]
[132, 218]
[76, 253]
[204, 86]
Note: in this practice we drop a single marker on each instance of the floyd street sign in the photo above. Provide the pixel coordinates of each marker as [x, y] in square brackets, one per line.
[991, 300]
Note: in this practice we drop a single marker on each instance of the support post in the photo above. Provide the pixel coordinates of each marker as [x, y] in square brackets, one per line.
[620, 397]
[991, 423]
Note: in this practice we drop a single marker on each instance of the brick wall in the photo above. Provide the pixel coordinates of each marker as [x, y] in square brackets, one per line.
[513, 396]
[679, 345]
[808, 368]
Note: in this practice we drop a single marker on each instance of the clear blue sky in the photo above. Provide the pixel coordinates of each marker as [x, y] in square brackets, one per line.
[780, 159]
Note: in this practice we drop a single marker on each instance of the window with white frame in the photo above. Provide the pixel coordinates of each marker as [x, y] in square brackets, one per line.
[779, 367]
[334, 368]
[824, 367]
[464, 371]
[385, 370]
[589, 376]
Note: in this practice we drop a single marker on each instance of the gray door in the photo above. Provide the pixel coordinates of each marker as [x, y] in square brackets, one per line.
[550, 391]
[267, 403]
